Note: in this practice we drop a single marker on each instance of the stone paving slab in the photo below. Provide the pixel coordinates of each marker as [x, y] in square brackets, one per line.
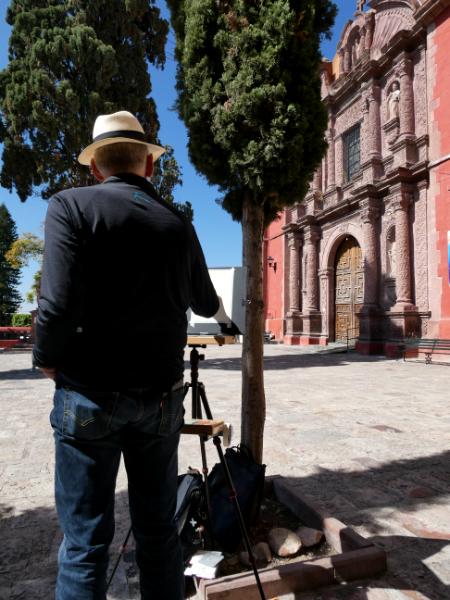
[367, 438]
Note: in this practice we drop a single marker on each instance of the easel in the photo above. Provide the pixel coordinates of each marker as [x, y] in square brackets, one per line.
[210, 428]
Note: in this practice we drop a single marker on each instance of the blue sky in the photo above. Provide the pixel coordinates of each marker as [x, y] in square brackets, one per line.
[220, 236]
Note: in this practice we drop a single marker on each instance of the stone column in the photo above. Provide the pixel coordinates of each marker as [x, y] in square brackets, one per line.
[331, 167]
[293, 316]
[311, 318]
[374, 141]
[369, 217]
[324, 174]
[403, 252]
[326, 280]
[403, 317]
[294, 245]
[317, 180]
[369, 317]
[339, 161]
[311, 239]
[407, 122]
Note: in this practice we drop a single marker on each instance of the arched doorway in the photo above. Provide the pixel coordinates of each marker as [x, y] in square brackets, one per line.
[349, 289]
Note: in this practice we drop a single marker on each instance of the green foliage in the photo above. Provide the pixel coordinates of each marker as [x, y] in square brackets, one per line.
[166, 175]
[33, 294]
[249, 94]
[9, 276]
[69, 61]
[21, 320]
[26, 247]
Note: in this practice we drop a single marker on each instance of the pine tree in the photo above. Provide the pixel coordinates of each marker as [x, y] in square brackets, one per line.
[249, 94]
[9, 276]
[69, 61]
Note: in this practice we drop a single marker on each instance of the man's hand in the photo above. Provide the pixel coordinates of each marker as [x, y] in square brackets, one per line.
[221, 316]
[49, 372]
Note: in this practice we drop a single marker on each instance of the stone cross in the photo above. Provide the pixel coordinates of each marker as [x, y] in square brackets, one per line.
[360, 5]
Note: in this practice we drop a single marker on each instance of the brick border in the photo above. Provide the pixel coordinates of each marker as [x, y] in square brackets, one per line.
[356, 559]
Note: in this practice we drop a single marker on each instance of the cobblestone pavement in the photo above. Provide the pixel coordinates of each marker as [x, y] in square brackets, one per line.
[368, 438]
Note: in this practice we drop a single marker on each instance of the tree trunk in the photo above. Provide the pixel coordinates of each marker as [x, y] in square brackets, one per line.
[253, 400]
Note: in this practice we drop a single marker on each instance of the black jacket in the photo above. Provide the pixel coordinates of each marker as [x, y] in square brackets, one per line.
[120, 270]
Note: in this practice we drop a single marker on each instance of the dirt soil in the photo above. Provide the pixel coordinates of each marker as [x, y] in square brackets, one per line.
[273, 514]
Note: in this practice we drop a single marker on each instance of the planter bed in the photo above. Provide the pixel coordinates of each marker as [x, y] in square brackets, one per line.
[351, 557]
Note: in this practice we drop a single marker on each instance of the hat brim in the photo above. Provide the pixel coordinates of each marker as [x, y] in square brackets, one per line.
[87, 154]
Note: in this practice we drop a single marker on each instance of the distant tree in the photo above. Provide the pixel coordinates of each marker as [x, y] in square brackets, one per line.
[249, 94]
[21, 320]
[70, 60]
[166, 176]
[25, 248]
[9, 275]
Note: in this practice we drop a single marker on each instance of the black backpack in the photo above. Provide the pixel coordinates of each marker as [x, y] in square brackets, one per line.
[190, 513]
[248, 479]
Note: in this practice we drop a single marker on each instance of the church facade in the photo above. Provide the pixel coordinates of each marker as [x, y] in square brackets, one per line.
[365, 255]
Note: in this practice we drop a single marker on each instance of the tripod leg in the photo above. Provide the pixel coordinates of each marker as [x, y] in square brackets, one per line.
[204, 400]
[203, 439]
[234, 499]
[121, 553]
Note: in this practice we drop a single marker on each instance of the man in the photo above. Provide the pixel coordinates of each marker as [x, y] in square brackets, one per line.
[121, 268]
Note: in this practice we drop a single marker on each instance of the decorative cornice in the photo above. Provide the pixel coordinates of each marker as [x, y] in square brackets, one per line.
[294, 239]
[429, 11]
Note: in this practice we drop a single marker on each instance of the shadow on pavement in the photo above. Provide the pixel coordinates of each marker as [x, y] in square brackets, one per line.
[400, 489]
[14, 374]
[281, 362]
[395, 492]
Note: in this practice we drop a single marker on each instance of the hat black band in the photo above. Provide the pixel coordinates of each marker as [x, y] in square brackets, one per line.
[133, 135]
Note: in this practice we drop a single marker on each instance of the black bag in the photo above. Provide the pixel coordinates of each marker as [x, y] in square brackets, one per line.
[248, 479]
[190, 513]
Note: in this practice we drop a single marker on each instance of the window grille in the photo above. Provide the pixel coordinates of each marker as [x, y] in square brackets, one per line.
[352, 150]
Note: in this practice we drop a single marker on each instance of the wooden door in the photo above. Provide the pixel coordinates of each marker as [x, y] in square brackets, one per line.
[349, 286]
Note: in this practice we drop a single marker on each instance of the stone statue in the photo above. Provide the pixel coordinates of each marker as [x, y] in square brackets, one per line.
[360, 5]
[394, 101]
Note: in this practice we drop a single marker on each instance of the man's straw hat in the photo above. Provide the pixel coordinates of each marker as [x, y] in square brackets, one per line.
[121, 126]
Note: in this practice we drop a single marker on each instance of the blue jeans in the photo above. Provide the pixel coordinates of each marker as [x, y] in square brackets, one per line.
[91, 431]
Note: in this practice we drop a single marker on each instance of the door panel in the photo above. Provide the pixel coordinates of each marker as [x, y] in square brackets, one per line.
[349, 286]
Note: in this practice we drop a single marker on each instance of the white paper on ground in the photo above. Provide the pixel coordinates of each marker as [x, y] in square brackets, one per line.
[204, 564]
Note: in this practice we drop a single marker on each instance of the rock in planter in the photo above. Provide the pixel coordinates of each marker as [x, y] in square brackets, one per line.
[262, 554]
[309, 537]
[284, 542]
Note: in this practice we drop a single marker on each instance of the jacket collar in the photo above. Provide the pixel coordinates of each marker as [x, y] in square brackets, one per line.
[147, 187]
[136, 180]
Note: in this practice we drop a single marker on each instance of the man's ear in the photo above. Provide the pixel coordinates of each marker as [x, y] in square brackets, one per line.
[96, 172]
[149, 166]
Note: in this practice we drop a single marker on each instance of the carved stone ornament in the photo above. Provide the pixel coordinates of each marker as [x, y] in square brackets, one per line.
[393, 103]
[392, 131]
[369, 213]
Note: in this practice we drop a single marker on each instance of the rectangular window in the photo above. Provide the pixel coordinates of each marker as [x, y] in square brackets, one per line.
[352, 152]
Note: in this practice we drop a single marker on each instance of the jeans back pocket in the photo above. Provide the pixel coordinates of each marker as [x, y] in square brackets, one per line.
[172, 412]
[77, 416]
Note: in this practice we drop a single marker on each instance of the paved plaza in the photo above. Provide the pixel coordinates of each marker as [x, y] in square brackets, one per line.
[366, 438]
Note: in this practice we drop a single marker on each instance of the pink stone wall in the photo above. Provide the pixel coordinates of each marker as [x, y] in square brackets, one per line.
[440, 177]
[274, 279]
[420, 256]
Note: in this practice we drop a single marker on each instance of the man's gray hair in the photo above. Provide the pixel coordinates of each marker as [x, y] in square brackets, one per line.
[121, 157]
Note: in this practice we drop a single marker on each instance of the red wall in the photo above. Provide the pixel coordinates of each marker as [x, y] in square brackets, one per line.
[273, 279]
[442, 118]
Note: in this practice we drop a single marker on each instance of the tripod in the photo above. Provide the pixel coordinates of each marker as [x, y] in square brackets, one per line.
[211, 427]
